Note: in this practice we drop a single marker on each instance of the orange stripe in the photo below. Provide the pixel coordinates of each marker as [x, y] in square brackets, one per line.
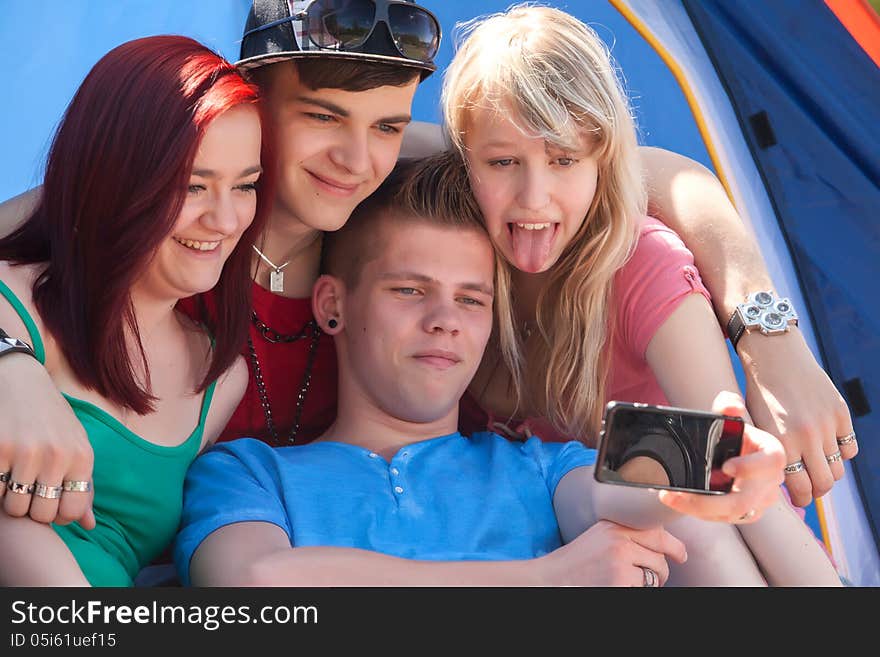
[680, 77]
[823, 526]
[860, 19]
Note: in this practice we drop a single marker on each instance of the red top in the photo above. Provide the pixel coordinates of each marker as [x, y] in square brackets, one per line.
[283, 367]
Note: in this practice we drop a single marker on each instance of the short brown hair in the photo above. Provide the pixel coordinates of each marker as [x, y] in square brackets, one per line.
[434, 190]
[336, 73]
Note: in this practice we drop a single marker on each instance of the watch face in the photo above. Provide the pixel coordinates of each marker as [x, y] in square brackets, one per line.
[763, 299]
[773, 320]
[762, 311]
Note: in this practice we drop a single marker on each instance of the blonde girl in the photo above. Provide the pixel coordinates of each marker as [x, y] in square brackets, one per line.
[604, 302]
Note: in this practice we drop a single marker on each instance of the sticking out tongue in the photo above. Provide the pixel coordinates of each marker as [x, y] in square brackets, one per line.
[531, 248]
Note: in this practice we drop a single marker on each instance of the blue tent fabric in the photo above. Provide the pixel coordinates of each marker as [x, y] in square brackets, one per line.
[810, 116]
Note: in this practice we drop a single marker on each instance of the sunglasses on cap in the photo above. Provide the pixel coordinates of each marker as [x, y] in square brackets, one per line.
[346, 25]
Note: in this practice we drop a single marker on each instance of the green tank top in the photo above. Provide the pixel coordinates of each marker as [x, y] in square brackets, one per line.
[138, 486]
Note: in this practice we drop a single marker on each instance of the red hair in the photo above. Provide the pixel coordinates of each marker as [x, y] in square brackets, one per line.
[116, 180]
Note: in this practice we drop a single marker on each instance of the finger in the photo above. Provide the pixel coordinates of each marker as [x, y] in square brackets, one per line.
[797, 476]
[88, 520]
[757, 466]
[817, 466]
[76, 506]
[660, 541]
[758, 441]
[800, 488]
[727, 402]
[848, 445]
[24, 472]
[833, 456]
[845, 431]
[5, 474]
[645, 558]
[739, 507]
[44, 503]
[646, 577]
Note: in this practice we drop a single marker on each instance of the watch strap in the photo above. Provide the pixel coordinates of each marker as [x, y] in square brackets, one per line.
[735, 328]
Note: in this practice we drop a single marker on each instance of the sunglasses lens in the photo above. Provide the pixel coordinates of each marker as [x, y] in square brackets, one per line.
[416, 33]
[340, 24]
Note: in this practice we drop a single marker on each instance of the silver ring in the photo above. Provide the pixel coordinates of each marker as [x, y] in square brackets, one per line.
[20, 488]
[651, 579]
[848, 439]
[792, 468]
[834, 458]
[4, 477]
[48, 492]
[748, 515]
[70, 486]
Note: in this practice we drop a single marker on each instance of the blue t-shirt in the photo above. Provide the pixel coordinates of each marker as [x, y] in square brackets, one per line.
[447, 499]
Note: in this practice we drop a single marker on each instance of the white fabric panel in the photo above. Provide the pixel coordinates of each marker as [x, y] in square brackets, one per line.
[852, 543]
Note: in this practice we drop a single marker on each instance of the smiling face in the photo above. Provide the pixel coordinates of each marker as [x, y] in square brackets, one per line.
[533, 195]
[334, 147]
[220, 204]
[417, 322]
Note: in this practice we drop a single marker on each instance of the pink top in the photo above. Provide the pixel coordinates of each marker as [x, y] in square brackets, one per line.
[658, 277]
[650, 286]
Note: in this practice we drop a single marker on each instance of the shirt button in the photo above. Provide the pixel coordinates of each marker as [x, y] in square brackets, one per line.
[398, 489]
[395, 471]
[373, 455]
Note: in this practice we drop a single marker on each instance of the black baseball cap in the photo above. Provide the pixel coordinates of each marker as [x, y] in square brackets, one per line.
[401, 32]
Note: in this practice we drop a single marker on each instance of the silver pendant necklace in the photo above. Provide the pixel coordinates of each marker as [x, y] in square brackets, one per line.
[276, 276]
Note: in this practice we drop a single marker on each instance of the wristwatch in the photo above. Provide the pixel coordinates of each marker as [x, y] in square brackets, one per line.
[13, 345]
[761, 311]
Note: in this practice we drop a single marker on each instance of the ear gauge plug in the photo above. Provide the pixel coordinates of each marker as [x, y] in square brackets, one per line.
[332, 323]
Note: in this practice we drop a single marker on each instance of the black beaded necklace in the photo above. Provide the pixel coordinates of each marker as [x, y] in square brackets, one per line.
[310, 329]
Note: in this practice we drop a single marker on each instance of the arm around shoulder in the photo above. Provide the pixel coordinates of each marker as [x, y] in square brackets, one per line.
[40, 437]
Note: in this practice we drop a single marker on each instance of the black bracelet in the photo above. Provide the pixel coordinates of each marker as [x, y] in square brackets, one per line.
[9, 345]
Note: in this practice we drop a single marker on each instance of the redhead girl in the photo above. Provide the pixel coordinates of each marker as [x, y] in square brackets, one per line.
[150, 196]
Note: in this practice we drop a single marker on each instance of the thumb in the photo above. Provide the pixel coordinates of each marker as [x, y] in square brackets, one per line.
[88, 519]
[729, 403]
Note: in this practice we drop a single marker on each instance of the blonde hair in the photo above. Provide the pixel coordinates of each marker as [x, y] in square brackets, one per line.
[554, 78]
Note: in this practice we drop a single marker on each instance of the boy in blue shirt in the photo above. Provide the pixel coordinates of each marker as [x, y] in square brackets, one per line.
[392, 494]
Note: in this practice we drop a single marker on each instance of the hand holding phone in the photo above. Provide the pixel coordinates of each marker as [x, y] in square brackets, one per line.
[669, 448]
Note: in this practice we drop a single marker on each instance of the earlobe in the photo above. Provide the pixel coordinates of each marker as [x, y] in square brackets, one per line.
[327, 295]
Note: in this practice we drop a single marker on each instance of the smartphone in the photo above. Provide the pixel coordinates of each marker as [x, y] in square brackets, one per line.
[665, 447]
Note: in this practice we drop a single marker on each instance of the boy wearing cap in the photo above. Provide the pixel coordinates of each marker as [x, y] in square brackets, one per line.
[339, 80]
